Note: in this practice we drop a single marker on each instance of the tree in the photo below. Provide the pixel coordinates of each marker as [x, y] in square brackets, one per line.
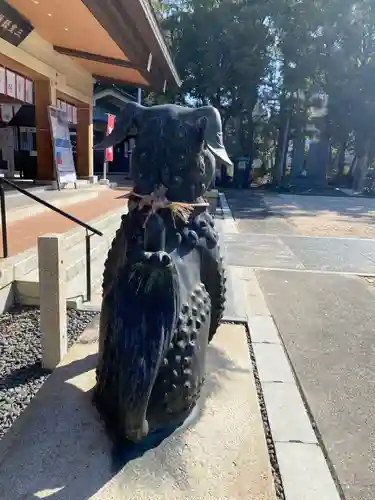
[233, 53]
[221, 51]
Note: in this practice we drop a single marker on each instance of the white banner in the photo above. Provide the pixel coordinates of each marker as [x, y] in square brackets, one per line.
[69, 111]
[29, 97]
[11, 83]
[2, 80]
[20, 87]
[75, 115]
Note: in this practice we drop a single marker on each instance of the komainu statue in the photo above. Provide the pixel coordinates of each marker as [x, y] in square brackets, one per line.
[164, 282]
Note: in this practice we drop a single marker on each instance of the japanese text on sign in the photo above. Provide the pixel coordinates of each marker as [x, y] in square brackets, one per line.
[14, 28]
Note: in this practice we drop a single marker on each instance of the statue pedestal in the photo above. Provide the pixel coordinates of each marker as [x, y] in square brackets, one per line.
[212, 197]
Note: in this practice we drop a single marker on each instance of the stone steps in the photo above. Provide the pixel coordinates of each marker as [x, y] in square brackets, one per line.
[19, 206]
[27, 286]
[19, 275]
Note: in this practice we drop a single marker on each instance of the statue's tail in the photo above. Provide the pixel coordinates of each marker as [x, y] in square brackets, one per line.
[145, 311]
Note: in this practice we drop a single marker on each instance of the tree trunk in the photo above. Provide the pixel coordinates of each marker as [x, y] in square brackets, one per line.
[331, 160]
[280, 150]
[298, 155]
[341, 158]
[242, 136]
[225, 120]
[361, 168]
[283, 141]
[250, 151]
[352, 166]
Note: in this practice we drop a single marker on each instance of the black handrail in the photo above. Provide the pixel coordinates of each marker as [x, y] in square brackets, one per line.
[52, 207]
[55, 209]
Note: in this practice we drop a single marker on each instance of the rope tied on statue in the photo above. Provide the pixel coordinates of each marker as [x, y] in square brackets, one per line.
[157, 200]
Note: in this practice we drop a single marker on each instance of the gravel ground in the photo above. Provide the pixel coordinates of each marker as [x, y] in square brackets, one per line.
[21, 374]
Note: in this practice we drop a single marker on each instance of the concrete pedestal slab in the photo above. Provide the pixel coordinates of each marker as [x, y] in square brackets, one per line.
[59, 450]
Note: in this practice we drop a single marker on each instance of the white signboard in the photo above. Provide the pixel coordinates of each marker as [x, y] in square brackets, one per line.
[11, 83]
[20, 87]
[69, 111]
[29, 98]
[2, 80]
[62, 146]
[75, 115]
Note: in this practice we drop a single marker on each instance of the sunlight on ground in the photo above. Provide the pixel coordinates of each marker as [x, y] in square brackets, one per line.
[84, 381]
[48, 492]
[325, 216]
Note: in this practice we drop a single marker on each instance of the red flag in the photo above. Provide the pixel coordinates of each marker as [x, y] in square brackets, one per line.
[110, 127]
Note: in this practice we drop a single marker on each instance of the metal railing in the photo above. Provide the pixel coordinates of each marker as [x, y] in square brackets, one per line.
[88, 228]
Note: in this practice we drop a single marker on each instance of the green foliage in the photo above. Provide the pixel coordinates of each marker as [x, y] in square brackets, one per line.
[235, 53]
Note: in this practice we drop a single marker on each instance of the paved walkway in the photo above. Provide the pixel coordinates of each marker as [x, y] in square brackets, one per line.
[23, 234]
[326, 321]
[191, 463]
[268, 239]
[327, 326]
[270, 213]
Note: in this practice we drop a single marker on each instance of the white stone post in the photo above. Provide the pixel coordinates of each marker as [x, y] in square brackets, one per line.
[52, 293]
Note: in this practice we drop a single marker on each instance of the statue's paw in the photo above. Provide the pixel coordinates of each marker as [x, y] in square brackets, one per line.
[205, 228]
[157, 259]
[190, 237]
[139, 433]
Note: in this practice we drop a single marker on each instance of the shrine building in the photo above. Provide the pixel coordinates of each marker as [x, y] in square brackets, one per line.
[51, 53]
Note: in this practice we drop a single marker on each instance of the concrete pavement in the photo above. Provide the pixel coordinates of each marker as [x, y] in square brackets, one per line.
[327, 326]
[268, 237]
[271, 213]
[324, 316]
[58, 449]
[319, 254]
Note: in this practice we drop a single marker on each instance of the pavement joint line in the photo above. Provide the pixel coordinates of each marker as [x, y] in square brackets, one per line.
[298, 475]
[235, 320]
[302, 236]
[296, 441]
[313, 271]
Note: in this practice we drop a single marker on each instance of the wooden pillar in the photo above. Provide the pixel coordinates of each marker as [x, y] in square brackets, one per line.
[45, 95]
[85, 158]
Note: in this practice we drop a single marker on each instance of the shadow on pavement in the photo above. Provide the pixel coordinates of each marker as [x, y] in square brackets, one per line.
[58, 447]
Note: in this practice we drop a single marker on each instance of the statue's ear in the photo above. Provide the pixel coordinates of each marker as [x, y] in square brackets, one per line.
[209, 122]
[123, 126]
